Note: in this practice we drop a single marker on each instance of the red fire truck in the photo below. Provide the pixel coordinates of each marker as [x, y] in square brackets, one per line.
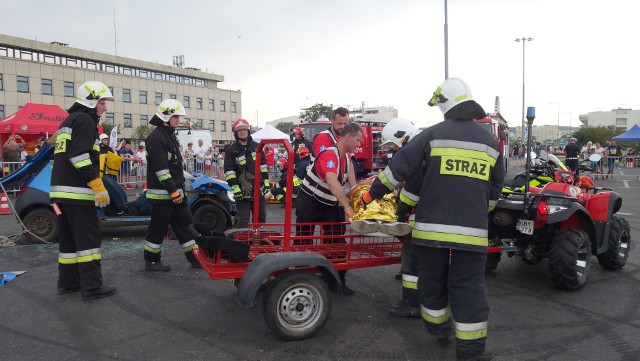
[498, 127]
[369, 155]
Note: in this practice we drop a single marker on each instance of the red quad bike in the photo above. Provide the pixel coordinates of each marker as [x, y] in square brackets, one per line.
[566, 222]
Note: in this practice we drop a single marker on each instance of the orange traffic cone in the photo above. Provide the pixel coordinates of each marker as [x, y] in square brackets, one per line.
[4, 204]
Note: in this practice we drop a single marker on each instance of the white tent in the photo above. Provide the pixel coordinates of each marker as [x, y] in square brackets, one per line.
[269, 132]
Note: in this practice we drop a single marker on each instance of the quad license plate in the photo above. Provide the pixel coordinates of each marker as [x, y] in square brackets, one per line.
[524, 226]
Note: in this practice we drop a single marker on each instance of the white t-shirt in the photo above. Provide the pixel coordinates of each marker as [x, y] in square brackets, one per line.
[199, 152]
[141, 157]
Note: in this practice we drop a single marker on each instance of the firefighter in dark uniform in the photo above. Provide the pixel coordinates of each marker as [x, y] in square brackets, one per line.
[572, 150]
[76, 191]
[165, 188]
[462, 174]
[322, 198]
[279, 190]
[239, 169]
[300, 145]
[396, 134]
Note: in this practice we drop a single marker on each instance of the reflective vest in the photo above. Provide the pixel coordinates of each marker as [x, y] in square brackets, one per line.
[318, 188]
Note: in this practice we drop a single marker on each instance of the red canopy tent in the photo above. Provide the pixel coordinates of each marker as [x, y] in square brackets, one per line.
[31, 122]
[33, 119]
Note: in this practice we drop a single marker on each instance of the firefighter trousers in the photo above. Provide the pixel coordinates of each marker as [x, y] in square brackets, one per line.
[79, 240]
[409, 270]
[309, 210]
[179, 217]
[452, 294]
[244, 208]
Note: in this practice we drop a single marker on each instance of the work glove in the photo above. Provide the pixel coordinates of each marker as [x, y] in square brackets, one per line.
[403, 211]
[237, 192]
[100, 194]
[176, 197]
[266, 187]
[365, 199]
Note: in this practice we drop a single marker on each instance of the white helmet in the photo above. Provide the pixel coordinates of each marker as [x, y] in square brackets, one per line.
[398, 131]
[169, 108]
[452, 92]
[90, 92]
[103, 136]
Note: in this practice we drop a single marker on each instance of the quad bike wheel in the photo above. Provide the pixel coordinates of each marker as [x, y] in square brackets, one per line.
[296, 305]
[619, 242]
[569, 259]
[492, 261]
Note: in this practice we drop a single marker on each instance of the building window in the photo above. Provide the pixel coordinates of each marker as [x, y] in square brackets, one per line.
[23, 84]
[108, 118]
[47, 86]
[144, 120]
[1, 111]
[223, 106]
[186, 102]
[212, 125]
[111, 90]
[211, 105]
[1, 83]
[69, 89]
[127, 121]
[199, 123]
[621, 122]
[198, 103]
[158, 98]
[233, 107]
[172, 96]
[223, 125]
[143, 96]
[126, 95]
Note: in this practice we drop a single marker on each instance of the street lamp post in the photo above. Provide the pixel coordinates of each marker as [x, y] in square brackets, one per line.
[524, 40]
[557, 103]
[446, 43]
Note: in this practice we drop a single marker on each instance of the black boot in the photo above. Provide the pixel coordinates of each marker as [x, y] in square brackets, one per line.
[346, 290]
[64, 291]
[156, 266]
[195, 264]
[403, 309]
[97, 293]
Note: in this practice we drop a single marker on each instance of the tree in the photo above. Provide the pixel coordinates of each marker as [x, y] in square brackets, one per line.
[600, 134]
[141, 133]
[285, 127]
[316, 111]
[108, 128]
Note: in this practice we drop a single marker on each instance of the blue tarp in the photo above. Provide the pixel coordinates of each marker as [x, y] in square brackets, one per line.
[631, 135]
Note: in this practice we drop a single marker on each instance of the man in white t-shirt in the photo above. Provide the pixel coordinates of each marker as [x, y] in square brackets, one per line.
[200, 151]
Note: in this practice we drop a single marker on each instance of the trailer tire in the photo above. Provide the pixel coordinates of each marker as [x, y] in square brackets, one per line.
[296, 305]
[619, 242]
[569, 259]
[43, 223]
[492, 261]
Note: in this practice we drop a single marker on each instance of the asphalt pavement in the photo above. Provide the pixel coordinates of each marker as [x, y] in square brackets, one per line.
[184, 315]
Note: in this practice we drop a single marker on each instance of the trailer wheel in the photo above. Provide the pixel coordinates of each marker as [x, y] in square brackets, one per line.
[492, 261]
[569, 259]
[296, 305]
[619, 242]
[41, 222]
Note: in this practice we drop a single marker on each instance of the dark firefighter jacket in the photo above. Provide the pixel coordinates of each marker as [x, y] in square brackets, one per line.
[296, 144]
[462, 172]
[75, 160]
[239, 159]
[164, 165]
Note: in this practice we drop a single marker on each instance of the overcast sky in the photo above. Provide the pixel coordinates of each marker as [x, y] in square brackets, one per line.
[284, 54]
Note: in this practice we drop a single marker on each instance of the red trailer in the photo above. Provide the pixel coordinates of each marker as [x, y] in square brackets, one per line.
[295, 271]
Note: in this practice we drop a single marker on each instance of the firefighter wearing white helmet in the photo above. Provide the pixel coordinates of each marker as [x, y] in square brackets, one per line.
[165, 188]
[76, 189]
[459, 165]
[239, 171]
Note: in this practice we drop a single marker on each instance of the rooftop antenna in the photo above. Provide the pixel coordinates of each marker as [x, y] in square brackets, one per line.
[178, 60]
